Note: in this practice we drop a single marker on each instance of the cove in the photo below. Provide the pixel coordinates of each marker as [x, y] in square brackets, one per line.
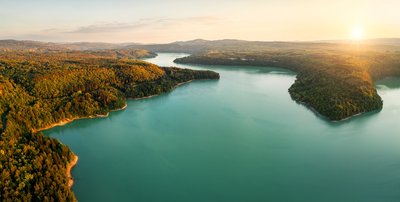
[241, 138]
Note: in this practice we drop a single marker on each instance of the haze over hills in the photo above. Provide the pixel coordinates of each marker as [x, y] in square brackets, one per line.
[48, 86]
[199, 45]
[356, 64]
[44, 84]
[11, 44]
[248, 100]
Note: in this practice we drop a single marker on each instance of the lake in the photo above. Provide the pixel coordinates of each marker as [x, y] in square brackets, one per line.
[241, 138]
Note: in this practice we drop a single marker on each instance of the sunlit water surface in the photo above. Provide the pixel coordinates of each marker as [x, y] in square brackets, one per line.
[241, 138]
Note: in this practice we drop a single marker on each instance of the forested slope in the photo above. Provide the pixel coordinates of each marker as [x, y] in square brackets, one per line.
[39, 89]
[337, 84]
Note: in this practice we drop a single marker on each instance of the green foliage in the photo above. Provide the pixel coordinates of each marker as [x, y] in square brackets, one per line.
[336, 84]
[38, 90]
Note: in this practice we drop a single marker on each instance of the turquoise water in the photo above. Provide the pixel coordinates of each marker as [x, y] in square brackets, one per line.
[241, 138]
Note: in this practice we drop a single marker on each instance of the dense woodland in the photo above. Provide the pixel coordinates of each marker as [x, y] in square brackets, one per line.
[227, 45]
[45, 83]
[336, 83]
[41, 88]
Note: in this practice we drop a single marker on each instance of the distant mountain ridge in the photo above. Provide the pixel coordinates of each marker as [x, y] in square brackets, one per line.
[201, 45]
[10, 44]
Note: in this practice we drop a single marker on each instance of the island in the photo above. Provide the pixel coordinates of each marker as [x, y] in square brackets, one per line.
[44, 87]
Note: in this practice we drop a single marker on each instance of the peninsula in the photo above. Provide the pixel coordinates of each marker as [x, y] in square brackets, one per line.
[42, 88]
[335, 79]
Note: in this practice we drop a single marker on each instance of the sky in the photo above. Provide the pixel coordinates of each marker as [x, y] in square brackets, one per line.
[161, 21]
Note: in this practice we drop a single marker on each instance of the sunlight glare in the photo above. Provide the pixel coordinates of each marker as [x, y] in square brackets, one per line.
[357, 33]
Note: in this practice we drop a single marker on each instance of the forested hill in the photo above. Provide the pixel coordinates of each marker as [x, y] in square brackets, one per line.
[200, 45]
[39, 89]
[337, 84]
[228, 45]
[26, 45]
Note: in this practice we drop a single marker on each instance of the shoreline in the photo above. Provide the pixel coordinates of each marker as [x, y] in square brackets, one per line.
[66, 121]
[327, 118]
[69, 120]
[182, 83]
[71, 165]
[349, 117]
[74, 161]
[150, 96]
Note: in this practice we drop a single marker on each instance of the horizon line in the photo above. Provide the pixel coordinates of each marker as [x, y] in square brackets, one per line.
[198, 39]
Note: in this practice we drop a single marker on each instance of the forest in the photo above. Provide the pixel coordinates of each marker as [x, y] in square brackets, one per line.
[39, 88]
[42, 84]
[336, 83]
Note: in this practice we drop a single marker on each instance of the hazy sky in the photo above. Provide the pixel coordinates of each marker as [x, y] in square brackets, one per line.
[171, 20]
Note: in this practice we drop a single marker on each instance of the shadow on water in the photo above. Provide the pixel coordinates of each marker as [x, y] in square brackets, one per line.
[77, 124]
[388, 83]
[245, 69]
[360, 119]
[243, 149]
[164, 60]
[88, 122]
[365, 118]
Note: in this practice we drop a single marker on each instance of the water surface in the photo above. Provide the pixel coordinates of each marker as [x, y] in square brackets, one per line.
[241, 138]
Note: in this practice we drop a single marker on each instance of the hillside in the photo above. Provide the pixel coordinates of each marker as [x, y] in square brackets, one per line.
[336, 84]
[16, 45]
[336, 78]
[39, 90]
[199, 45]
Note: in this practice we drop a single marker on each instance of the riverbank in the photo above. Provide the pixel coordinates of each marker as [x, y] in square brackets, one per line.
[70, 165]
[74, 161]
[66, 121]
[312, 109]
[262, 124]
[177, 85]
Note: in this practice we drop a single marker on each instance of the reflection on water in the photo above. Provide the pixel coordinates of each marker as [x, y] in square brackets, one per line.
[388, 83]
[241, 138]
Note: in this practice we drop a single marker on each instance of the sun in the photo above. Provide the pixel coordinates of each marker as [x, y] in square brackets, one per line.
[357, 33]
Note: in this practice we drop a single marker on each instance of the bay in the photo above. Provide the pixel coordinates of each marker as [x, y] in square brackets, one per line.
[241, 138]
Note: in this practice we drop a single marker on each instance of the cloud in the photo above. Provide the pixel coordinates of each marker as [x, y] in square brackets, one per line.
[145, 30]
[152, 23]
